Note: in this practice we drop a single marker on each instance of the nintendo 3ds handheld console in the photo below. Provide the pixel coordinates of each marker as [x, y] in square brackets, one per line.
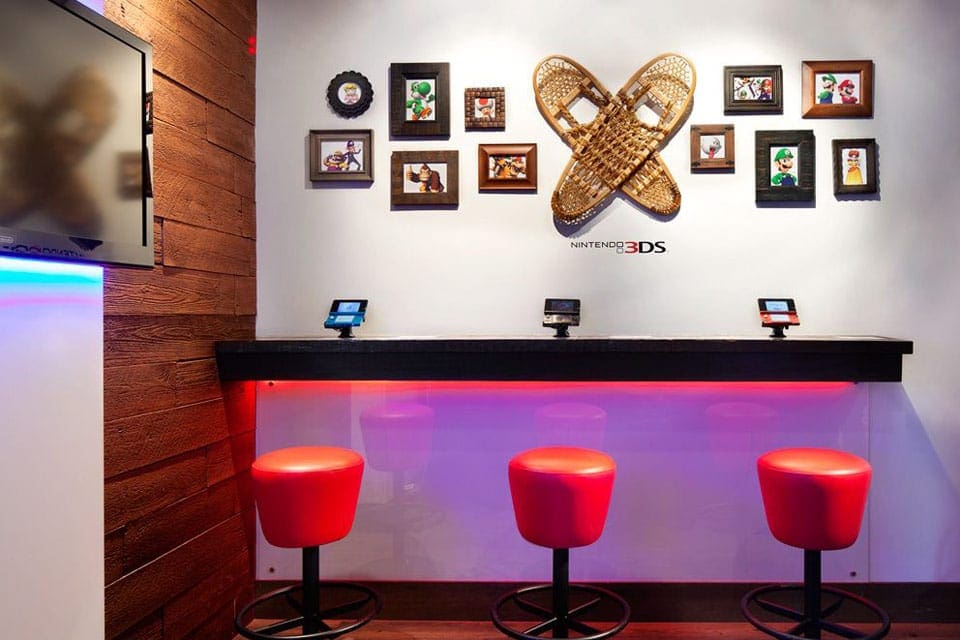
[346, 314]
[561, 313]
[778, 314]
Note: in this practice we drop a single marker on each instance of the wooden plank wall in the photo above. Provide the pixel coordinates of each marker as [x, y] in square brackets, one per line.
[178, 444]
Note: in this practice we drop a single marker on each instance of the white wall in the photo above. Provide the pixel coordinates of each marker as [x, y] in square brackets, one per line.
[881, 266]
[51, 450]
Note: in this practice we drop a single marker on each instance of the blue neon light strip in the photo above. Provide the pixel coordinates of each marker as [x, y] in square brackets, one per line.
[24, 272]
[26, 283]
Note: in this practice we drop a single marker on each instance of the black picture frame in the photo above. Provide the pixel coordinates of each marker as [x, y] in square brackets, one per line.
[321, 169]
[739, 99]
[769, 144]
[437, 125]
[842, 149]
[349, 94]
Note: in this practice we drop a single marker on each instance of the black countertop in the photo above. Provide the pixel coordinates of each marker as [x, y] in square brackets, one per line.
[796, 358]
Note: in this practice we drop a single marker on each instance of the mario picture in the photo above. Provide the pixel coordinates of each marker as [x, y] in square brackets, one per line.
[838, 88]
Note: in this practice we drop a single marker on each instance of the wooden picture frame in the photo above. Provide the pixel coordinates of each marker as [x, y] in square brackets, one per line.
[712, 148]
[855, 166]
[424, 178]
[786, 166]
[847, 84]
[753, 89]
[349, 94]
[341, 155]
[484, 108]
[420, 100]
[507, 167]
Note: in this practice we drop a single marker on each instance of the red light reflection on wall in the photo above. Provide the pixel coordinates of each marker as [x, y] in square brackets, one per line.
[753, 387]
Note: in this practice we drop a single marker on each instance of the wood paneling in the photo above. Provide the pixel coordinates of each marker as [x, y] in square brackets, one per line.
[186, 199]
[130, 340]
[155, 585]
[173, 291]
[141, 440]
[193, 608]
[207, 250]
[177, 442]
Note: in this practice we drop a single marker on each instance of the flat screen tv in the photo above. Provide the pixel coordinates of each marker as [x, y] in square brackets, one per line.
[75, 178]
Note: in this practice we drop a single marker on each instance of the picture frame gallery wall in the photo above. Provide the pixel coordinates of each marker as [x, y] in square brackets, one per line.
[857, 263]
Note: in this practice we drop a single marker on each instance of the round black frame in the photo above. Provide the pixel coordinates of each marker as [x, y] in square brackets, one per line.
[349, 110]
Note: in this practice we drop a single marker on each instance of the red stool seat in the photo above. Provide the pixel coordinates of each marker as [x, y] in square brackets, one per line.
[561, 495]
[814, 498]
[306, 496]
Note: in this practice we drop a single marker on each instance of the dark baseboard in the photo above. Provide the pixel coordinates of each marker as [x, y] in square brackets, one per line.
[932, 602]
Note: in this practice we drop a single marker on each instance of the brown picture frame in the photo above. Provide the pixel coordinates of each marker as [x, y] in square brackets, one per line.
[767, 143]
[812, 70]
[322, 141]
[496, 119]
[699, 163]
[425, 198]
[510, 179]
[402, 75]
[841, 169]
[755, 100]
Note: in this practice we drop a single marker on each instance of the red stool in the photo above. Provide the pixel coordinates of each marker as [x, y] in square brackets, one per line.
[306, 497]
[814, 500]
[560, 500]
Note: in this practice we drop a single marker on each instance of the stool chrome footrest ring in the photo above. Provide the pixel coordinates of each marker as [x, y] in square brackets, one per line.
[565, 622]
[366, 605]
[806, 624]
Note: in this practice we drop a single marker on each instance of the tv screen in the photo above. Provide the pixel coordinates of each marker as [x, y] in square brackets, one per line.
[74, 162]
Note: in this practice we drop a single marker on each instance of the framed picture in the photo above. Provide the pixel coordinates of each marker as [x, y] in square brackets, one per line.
[786, 164]
[838, 89]
[424, 178]
[420, 100]
[507, 167]
[349, 94]
[148, 112]
[340, 155]
[753, 89]
[712, 147]
[855, 166]
[484, 108]
[130, 174]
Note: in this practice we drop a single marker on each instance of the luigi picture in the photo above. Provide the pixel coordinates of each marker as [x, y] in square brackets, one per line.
[782, 173]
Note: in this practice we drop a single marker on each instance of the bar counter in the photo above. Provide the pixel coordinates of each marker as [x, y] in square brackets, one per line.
[796, 358]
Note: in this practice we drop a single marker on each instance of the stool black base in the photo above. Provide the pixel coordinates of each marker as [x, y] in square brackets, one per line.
[363, 606]
[811, 621]
[560, 618]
